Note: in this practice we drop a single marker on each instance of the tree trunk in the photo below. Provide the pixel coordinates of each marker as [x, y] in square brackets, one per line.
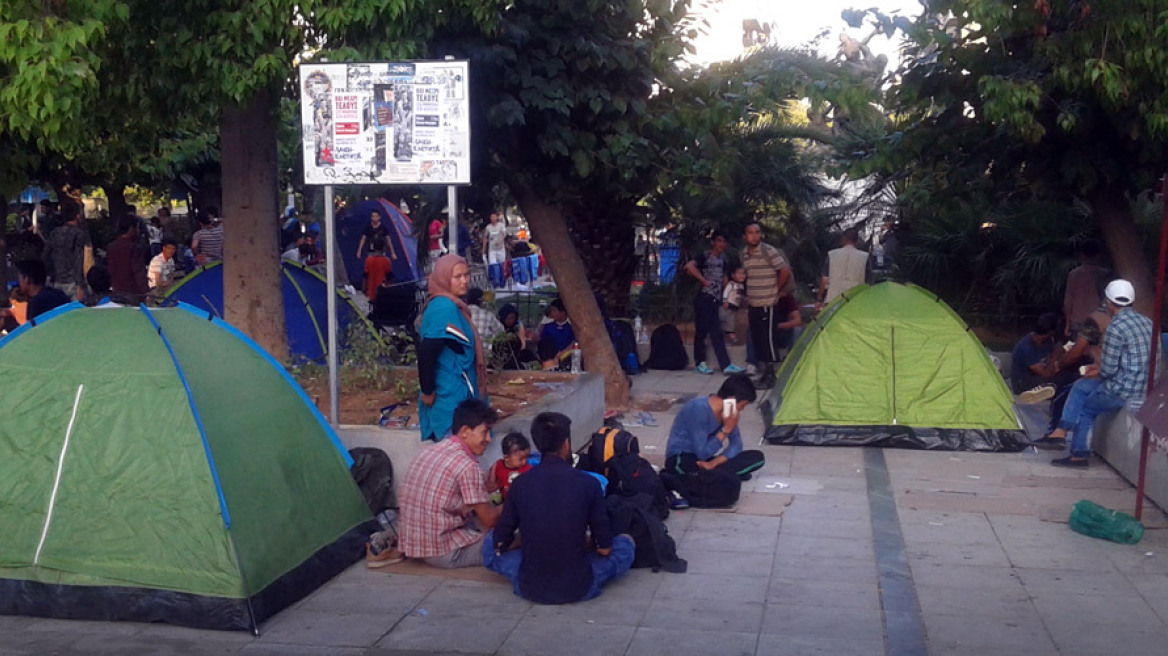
[551, 232]
[4, 252]
[115, 193]
[1114, 215]
[252, 296]
[605, 239]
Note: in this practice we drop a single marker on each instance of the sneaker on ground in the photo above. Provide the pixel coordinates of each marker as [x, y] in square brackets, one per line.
[733, 369]
[751, 370]
[676, 501]
[1036, 395]
[703, 369]
[387, 556]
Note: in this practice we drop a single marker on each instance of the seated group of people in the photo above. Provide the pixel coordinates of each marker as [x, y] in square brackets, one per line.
[551, 536]
[549, 348]
[1103, 367]
[567, 551]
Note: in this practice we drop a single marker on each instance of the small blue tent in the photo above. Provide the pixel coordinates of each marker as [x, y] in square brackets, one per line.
[305, 305]
[352, 225]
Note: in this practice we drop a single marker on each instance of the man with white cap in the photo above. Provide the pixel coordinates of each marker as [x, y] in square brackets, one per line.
[1120, 378]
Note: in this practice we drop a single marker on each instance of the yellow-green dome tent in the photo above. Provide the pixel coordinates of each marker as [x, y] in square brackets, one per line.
[893, 365]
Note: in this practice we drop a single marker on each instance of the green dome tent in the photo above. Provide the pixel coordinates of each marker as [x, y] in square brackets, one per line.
[157, 465]
[892, 365]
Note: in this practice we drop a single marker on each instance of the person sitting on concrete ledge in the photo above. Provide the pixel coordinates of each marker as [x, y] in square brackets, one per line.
[555, 505]
[1120, 379]
[444, 503]
[556, 336]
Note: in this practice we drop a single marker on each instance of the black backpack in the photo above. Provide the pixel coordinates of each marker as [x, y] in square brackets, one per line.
[373, 472]
[707, 488]
[606, 443]
[666, 350]
[624, 342]
[654, 546]
[630, 475]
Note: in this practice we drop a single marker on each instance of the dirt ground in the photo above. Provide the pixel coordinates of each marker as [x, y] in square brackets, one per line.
[509, 391]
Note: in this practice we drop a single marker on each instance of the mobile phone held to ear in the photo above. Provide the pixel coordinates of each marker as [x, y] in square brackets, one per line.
[729, 408]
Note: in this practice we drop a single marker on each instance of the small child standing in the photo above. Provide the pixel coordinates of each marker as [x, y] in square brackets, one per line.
[516, 449]
[732, 303]
[377, 266]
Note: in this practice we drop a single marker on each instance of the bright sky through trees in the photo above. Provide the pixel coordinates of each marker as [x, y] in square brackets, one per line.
[795, 22]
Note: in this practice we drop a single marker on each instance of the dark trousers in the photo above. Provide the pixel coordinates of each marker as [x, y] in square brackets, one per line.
[512, 356]
[707, 324]
[764, 330]
[742, 464]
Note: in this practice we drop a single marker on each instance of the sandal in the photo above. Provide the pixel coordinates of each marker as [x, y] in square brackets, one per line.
[1049, 443]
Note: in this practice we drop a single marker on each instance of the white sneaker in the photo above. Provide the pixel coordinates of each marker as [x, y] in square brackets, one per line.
[751, 370]
[1037, 395]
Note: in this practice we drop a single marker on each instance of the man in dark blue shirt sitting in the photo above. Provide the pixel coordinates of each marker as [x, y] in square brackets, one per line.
[556, 336]
[41, 297]
[554, 505]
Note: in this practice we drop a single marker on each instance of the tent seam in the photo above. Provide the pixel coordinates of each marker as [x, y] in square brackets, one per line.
[267, 357]
[308, 309]
[195, 415]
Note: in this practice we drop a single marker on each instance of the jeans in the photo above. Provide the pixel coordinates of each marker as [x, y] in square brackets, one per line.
[1086, 401]
[604, 568]
[708, 324]
[495, 274]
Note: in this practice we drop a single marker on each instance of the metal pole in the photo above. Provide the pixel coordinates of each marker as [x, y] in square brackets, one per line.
[1157, 312]
[452, 204]
[330, 233]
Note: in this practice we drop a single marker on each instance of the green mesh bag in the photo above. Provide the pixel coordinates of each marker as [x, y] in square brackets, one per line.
[1090, 518]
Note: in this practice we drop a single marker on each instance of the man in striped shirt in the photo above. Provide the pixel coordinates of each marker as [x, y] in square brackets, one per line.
[207, 242]
[769, 294]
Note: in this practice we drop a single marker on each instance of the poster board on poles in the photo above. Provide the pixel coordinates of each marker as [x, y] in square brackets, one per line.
[385, 123]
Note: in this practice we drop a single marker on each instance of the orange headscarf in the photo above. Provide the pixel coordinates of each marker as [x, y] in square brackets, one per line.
[438, 283]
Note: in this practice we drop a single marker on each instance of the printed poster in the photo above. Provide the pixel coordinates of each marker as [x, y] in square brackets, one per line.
[385, 123]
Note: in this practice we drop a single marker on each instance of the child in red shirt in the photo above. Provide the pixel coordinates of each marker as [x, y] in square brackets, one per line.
[516, 449]
[376, 266]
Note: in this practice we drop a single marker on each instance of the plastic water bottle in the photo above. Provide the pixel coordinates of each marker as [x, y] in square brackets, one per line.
[639, 330]
[577, 356]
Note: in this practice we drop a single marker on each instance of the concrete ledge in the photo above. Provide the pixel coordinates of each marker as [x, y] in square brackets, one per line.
[1116, 438]
[582, 400]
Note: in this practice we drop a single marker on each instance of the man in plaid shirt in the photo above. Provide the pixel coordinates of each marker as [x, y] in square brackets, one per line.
[486, 324]
[444, 504]
[1121, 377]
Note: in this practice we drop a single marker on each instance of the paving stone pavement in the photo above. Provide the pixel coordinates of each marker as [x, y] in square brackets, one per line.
[991, 568]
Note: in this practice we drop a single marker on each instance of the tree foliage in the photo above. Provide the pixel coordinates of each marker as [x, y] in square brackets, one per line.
[122, 87]
[1004, 105]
